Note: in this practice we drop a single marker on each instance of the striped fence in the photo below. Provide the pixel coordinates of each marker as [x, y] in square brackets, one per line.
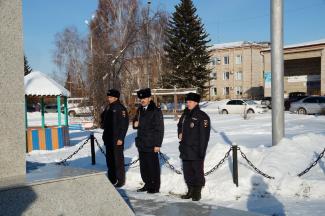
[49, 138]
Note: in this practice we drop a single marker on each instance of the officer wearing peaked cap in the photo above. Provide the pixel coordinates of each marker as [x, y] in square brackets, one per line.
[150, 125]
[193, 133]
[115, 123]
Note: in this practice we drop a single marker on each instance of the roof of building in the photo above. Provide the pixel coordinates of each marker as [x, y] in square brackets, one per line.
[236, 44]
[178, 91]
[39, 84]
[307, 43]
[304, 44]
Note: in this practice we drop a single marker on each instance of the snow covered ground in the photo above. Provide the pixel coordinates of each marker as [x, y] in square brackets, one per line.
[287, 194]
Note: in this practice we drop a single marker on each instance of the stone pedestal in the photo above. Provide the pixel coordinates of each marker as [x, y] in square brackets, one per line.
[12, 100]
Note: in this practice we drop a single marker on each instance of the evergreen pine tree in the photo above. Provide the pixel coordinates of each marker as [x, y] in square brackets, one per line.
[27, 68]
[187, 54]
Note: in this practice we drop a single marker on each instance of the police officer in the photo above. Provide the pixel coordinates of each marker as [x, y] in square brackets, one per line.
[150, 124]
[115, 123]
[193, 134]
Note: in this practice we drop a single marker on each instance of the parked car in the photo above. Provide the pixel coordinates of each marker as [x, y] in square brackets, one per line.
[51, 108]
[309, 105]
[30, 108]
[293, 96]
[238, 106]
[267, 101]
[79, 107]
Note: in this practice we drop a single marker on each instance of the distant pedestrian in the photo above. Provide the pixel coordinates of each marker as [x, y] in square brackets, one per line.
[115, 122]
[193, 133]
[38, 107]
[150, 124]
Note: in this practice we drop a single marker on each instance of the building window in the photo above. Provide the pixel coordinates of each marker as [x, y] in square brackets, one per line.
[213, 91]
[213, 75]
[226, 90]
[239, 59]
[239, 90]
[239, 75]
[226, 60]
[225, 75]
[215, 60]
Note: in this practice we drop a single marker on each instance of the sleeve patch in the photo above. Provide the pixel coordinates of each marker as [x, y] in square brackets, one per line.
[123, 114]
[205, 123]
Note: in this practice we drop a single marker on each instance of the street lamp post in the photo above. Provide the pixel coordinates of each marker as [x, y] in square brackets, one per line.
[148, 46]
[91, 51]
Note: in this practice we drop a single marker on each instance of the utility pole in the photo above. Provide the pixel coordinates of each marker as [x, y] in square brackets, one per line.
[277, 70]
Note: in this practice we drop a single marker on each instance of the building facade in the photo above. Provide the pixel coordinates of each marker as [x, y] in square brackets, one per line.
[237, 70]
[304, 68]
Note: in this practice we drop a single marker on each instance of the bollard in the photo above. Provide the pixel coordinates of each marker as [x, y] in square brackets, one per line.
[235, 165]
[92, 143]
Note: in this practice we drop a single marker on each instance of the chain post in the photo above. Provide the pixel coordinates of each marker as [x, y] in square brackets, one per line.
[235, 165]
[92, 144]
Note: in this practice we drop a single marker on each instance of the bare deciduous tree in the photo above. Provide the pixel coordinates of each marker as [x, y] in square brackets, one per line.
[70, 56]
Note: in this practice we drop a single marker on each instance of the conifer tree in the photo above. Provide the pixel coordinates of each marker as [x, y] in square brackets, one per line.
[27, 68]
[186, 48]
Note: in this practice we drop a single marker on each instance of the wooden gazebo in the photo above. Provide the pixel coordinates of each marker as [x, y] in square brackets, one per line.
[45, 137]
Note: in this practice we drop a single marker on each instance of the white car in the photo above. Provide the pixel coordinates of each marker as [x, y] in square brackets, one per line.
[239, 106]
[79, 107]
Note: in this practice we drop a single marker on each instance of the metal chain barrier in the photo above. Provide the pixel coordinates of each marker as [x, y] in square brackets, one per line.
[167, 164]
[219, 164]
[130, 164]
[102, 151]
[100, 148]
[63, 162]
[313, 164]
[254, 167]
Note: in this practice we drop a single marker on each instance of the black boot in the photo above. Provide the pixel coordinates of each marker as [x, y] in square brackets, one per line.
[143, 189]
[196, 193]
[189, 193]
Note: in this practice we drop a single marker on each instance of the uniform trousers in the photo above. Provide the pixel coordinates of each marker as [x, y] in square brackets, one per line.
[194, 172]
[150, 170]
[115, 164]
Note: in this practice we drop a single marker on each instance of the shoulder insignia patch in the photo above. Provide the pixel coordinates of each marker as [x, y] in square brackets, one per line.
[206, 123]
[123, 114]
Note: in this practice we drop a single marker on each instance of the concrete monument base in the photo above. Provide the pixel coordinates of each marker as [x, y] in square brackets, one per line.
[85, 194]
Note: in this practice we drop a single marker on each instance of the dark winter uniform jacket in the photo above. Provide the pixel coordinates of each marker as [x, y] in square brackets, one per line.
[115, 122]
[195, 128]
[150, 129]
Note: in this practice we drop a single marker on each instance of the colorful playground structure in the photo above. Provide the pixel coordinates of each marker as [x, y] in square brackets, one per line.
[45, 137]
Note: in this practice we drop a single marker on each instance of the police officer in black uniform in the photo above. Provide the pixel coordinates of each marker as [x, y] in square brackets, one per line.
[150, 124]
[193, 133]
[115, 122]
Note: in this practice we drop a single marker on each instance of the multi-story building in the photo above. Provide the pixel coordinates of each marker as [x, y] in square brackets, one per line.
[237, 70]
[304, 68]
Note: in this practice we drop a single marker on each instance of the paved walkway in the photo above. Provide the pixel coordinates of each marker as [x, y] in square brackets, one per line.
[141, 203]
[144, 204]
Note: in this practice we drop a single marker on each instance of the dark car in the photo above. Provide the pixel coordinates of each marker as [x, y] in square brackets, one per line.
[293, 97]
[52, 108]
[267, 101]
[30, 108]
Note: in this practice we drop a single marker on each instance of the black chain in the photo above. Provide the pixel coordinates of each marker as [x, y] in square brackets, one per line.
[312, 165]
[167, 164]
[219, 164]
[130, 164]
[100, 148]
[254, 167]
[63, 162]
